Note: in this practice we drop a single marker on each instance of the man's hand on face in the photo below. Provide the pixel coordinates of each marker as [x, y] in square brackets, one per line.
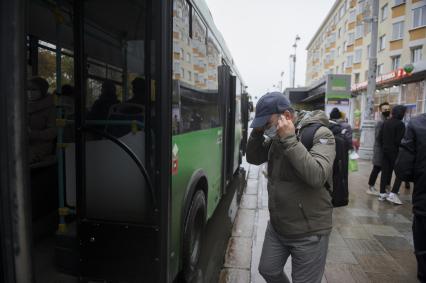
[285, 127]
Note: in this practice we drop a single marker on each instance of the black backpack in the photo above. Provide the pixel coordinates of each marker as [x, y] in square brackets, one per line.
[340, 193]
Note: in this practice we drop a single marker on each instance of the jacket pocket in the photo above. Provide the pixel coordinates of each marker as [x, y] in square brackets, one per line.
[304, 215]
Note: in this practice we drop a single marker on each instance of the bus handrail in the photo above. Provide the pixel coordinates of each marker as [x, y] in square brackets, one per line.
[129, 151]
[107, 122]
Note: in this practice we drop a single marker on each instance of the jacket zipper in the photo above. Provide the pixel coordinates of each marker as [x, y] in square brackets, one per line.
[304, 216]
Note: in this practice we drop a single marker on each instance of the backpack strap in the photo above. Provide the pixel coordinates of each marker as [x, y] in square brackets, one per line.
[307, 134]
[306, 137]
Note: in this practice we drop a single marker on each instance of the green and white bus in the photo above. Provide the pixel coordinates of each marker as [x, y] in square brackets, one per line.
[122, 125]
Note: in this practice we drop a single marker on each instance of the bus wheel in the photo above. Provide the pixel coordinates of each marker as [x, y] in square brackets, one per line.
[194, 227]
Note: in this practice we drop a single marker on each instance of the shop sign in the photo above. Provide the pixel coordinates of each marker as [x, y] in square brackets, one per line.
[387, 78]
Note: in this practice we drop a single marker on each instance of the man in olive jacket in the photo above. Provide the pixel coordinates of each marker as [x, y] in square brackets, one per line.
[299, 203]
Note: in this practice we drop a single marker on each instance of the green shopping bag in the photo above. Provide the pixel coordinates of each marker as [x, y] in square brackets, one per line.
[353, 165]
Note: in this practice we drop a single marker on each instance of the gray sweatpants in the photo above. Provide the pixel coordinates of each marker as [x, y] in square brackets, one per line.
[308, 257]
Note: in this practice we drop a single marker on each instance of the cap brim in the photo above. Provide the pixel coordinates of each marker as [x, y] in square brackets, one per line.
[260, 122]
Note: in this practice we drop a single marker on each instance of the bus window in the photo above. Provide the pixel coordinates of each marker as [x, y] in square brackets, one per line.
[197, 106]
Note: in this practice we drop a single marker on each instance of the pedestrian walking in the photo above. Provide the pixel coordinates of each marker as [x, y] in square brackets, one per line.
[390, 139]
[377, 149]
[299, 204]
[411, 167]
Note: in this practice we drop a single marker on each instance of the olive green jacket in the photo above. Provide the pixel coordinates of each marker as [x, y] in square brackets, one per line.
[299, 203]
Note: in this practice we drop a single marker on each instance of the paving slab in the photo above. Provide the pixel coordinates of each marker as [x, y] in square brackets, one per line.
[251, 188]
[354, 231]
[381, 230]
[244, 223]
[249, 201]
[379, 264]
[340, 255]
[365, 246]
[392, 243]
[347, 273]
[253, 172]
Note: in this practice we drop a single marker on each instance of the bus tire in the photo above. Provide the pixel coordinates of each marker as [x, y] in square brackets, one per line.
[194, 228]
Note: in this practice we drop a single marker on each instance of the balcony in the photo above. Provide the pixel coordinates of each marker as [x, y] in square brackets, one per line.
[398, 11]
[418, 33]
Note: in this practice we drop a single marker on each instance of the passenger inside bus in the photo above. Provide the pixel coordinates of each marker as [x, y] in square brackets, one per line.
[42, 122]
[101, 107]
[138, 87]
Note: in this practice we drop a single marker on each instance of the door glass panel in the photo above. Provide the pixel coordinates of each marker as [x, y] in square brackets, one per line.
[117, 109]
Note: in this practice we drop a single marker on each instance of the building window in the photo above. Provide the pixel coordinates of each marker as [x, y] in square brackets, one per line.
[189, 76]
[366, 75]
[359, 31]
[368, 51]
[341, 12]
[416, 54]
[337, 69]
[188, 57]
[399, 2]
[380, 69]
[382, 42]
[356, 78]
[385, 12]
[398, 30]
[396, 61]
[351, 38]
[361, 6]
[352, 16]
[338, 51]
[358, 56]
[343, 66]
[419, 17]
[339, 32]
[349, 60]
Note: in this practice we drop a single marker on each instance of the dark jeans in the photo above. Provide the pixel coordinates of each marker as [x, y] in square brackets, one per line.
[373, 175]
[419, 236]
[388, 164]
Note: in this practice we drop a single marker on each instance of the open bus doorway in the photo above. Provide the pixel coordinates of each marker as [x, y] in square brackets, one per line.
[93, 146]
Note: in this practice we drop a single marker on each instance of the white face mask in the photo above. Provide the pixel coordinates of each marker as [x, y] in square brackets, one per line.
[271, 131]
[34, 95]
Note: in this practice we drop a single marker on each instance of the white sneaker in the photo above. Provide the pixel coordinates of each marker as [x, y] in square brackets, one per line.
[382, 197]
[393, 198]
[372, 191]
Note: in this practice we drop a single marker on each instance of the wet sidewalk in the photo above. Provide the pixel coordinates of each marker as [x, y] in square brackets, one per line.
[371, 240]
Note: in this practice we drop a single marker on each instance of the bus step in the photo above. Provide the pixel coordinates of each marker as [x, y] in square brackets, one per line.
[66, 251]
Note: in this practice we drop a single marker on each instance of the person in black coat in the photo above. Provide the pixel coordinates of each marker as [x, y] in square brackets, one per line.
[390, 138]
[411, 167]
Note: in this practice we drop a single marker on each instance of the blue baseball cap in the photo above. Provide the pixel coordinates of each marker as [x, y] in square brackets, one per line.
[269, 104]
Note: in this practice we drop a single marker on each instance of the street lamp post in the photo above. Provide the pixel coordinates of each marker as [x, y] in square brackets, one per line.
[293, 56]
[368, 123]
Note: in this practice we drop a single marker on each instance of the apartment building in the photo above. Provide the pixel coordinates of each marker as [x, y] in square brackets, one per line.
[342, 46]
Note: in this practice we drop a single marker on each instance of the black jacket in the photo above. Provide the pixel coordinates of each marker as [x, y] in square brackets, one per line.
[411, 162]
[391, 135]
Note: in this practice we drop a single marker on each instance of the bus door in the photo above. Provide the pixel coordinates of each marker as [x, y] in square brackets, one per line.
[227, 97]
[122, 172]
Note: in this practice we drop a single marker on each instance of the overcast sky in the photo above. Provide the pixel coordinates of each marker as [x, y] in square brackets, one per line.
[260, 35]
